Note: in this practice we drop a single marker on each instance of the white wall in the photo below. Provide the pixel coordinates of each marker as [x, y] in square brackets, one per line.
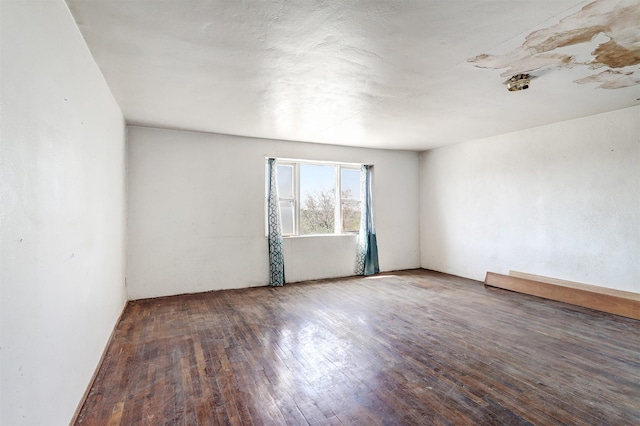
[561, 201]
[62, 214]
[196, 213]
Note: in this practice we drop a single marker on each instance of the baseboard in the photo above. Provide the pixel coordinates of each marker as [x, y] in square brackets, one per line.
[618, 302]
[74, 419]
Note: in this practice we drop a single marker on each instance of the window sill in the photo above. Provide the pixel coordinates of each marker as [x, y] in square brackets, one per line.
[293, 237]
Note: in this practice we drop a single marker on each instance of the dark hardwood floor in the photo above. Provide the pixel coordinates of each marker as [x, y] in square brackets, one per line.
[413, 347]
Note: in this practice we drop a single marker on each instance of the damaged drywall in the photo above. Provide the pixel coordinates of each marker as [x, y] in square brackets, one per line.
[613, 24]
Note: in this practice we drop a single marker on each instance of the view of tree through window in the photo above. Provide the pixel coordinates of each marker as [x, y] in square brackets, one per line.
[309, 201]
[351, 197]
[317, 199]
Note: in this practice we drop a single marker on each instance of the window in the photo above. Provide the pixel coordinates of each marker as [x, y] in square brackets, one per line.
[351, 199]
[318, 198]
[287, 197]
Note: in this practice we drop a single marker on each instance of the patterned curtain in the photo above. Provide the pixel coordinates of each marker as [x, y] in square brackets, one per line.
[276, 257]
[367, 257]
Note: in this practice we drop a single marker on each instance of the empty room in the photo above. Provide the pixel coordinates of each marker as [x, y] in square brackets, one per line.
[273, 212]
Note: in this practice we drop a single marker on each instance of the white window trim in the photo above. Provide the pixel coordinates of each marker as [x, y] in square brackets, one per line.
[338, 231]
[296, 195]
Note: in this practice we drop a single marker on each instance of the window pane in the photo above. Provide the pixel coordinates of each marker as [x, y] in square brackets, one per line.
[350, 216]
[285, 181]
[286, 215]
[350, 183]
[317, 199]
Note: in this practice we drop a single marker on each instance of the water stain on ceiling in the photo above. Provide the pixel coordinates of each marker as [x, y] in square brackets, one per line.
[613, 24]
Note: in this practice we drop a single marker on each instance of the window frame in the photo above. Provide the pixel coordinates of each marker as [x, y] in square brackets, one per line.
[295, 183]
[338, 167]
[340, 200]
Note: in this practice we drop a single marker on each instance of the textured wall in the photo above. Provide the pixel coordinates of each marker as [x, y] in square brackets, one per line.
[196, 213]
[560, 201]
[62, 214]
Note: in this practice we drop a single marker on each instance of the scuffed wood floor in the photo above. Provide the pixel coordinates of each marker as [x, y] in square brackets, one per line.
[413, 347]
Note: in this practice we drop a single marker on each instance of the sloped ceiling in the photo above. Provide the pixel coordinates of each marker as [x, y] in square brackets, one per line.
[412, 74]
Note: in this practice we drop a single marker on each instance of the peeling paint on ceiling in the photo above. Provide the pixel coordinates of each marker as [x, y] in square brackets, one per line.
[617, 20]
[372, 73]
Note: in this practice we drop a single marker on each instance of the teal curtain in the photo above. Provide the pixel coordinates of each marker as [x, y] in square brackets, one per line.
[276, 256]
[367, 256]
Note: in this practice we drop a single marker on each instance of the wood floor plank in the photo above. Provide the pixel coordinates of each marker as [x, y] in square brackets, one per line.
[412, 347]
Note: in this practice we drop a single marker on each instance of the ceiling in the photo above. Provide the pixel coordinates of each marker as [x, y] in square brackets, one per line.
[414, 74]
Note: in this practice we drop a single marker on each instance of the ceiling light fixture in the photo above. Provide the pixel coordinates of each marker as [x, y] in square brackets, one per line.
[518, 82]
